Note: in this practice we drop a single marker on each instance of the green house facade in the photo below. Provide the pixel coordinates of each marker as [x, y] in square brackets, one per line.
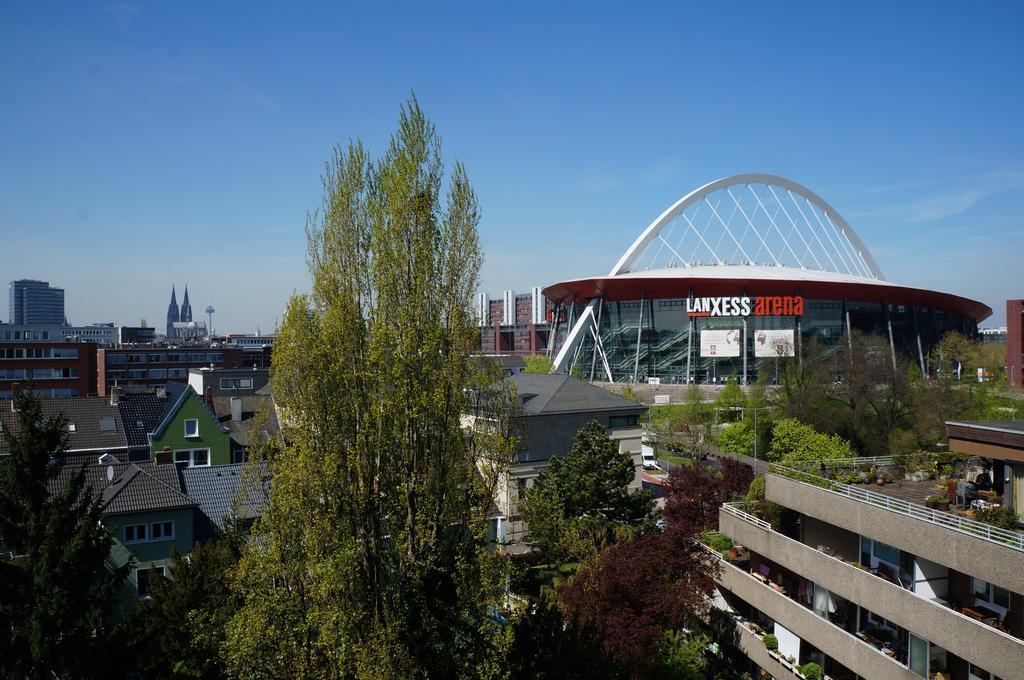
[190, 435]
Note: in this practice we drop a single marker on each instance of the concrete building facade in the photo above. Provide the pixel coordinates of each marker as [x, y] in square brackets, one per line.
[35, 302]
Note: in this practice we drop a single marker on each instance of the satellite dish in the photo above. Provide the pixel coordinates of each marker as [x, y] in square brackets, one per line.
[110, 473]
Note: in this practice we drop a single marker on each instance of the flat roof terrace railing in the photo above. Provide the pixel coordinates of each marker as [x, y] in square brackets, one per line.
[948, 520]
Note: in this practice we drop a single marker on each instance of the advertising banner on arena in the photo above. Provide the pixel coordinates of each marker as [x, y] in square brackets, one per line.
[774, 343]
[724, 343]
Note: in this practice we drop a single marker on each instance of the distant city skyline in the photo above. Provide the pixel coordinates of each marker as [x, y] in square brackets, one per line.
[154, 145]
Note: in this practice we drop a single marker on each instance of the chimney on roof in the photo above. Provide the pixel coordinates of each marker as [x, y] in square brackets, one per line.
[208, 394]
[236, 409]
[161, 392]
[115, 395]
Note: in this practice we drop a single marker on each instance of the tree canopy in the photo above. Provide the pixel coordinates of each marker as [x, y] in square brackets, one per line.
[795, 441]
[371, 559]
[584, 494]
[56, 589]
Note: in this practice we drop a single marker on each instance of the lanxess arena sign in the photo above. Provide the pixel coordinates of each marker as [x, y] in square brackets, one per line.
[764, 305]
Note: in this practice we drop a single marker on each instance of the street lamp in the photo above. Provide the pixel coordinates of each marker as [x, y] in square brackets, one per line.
[755, 410]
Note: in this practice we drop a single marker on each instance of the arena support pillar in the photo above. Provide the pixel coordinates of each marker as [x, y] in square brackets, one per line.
[577, 331]
[639, 336]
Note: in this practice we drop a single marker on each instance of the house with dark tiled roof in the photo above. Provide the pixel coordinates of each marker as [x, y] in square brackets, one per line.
[147, 513]
[94, 425]
[142, 413]
[242, 401]
[190, 434]
[555, 408]
[225, 492]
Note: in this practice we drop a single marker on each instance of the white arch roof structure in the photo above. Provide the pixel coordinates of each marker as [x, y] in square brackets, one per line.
[752, 219]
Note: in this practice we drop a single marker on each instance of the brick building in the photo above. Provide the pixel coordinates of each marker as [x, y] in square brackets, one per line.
[58, 369]
[155, 365]
[515, 324]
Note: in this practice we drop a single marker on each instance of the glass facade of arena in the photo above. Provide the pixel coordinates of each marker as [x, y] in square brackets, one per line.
[670, 339]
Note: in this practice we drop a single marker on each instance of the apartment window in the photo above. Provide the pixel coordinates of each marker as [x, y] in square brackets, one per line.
[117, 358]
[879, 551]
[176, 372]
[191, 427]
[158, 373]
[236, 383]
[986, 593]
[622, 421]
[161, 531]
[192, 457]
[145, 579]
[115, 375]
[520, 489]
[136, 373]
[978, 673]
[135, 533]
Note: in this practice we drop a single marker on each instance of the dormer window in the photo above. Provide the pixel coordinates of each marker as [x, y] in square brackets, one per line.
[191, 427]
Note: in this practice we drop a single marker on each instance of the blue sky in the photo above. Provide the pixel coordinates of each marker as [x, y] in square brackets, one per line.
[148, 144]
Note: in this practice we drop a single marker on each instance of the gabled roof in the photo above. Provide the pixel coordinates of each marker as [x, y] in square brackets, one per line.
[142, 413]
[137, 489]
[129, 487]
[187, 393]
[93, 424]
[251, 405]
[548, 393]
[219, 492]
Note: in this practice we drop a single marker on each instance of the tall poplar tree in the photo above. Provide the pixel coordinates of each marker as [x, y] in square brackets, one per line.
[372, 560]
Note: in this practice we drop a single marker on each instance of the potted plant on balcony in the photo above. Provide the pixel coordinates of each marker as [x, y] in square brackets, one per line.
[811, 671]
[771, 643]
[938, 503]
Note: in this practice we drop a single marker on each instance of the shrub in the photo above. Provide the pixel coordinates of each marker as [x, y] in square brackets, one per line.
[716, 540]
[1002, 517]
[811, 671]
[794, 441]
[771, 643]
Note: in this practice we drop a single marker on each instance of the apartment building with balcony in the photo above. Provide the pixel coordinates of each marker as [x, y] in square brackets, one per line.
[515, 324]
[869, 582]
[150, 366]
[56, 369]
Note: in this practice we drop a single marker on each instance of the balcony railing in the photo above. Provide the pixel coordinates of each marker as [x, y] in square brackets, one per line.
[948, 520]
[943, 609]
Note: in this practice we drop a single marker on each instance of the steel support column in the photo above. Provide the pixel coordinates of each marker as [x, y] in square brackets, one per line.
[892, 345]
[597, 330]
[639, 336]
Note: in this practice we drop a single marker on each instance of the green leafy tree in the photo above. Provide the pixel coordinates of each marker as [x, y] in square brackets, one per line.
[682, 656]
[739, 437]
[56, 588]
[585, 494]
[372, 559]
[180, 632]
[538, 363]
[730, 401]
[794, 441]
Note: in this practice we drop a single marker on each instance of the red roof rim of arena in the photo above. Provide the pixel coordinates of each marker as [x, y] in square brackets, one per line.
[729, 280]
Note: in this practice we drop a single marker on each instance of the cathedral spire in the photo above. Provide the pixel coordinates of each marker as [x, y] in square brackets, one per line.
[172, 313]
[186, 308]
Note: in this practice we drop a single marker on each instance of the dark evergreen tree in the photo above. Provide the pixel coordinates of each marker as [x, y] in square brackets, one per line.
[181, 630]
[55, 588]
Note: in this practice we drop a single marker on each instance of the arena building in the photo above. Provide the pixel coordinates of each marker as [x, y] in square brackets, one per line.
[734, 278]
